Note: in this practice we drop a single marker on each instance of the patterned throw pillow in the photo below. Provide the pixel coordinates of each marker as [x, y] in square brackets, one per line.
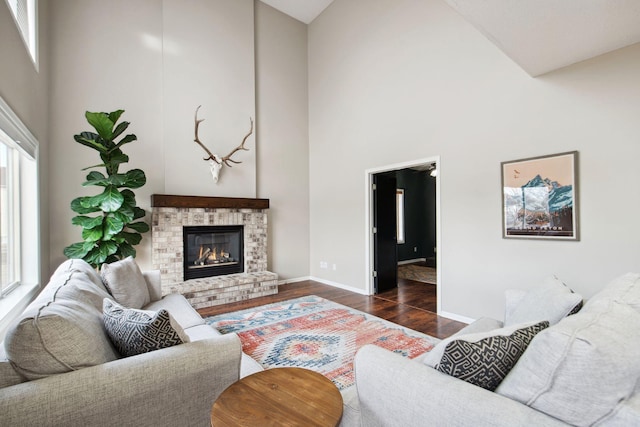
[139, 331]
[487, 362]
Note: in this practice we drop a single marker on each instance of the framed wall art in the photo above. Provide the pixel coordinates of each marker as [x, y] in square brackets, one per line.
[540, 197]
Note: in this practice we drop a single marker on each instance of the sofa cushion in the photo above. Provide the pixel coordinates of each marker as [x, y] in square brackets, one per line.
[8, 375]
[61, 330]
[179, 308]
[586, 366]
[485, 362]
[552, 300]
[139, 331]
[125, 282]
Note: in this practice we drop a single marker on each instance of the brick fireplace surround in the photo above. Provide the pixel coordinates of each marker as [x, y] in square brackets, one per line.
[171, 213]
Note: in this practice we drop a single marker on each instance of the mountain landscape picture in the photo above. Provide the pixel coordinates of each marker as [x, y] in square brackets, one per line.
[539, 197]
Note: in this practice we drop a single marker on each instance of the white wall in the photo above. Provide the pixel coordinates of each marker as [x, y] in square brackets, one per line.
[283, 141]
[105, 56]
[208, 60]
[25, 89]
[390, 82]
[159, 60]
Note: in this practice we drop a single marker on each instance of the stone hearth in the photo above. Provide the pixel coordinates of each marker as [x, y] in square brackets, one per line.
[171, 213]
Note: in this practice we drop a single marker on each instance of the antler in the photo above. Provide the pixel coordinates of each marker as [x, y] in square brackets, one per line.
[197, 140]
[226, 159]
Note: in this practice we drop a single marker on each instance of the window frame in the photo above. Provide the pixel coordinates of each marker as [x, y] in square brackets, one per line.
[26, 148]
[400, 220]
[29, 35]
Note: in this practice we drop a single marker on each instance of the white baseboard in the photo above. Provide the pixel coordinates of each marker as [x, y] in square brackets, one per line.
[456, 317]
[294, 280]
[339, 285]
[411, 261]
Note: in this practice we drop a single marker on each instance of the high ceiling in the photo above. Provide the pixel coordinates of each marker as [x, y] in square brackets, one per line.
[303, 10]
[539, 35]
[544, 35]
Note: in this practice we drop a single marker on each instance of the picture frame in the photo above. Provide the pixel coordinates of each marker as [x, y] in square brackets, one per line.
[540, 197]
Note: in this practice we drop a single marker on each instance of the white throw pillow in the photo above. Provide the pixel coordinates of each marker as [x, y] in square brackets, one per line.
[583, 368]
[125, 282]
[552, 300]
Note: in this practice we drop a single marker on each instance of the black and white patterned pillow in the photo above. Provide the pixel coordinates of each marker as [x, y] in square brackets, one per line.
[139, 331]
[487, 362]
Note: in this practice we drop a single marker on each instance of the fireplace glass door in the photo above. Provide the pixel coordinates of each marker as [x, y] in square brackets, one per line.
[213, 251]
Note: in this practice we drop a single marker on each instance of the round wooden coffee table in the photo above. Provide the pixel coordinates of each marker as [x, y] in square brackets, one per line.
[279, 397]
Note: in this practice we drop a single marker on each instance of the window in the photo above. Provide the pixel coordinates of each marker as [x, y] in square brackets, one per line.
[25, 15]
[400, 215]
[9, 218]
[19, 225]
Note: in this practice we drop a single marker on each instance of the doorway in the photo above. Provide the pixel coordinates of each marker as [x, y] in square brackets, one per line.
[403, 227]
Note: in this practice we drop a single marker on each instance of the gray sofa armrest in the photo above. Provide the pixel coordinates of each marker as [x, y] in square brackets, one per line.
[396, 391]
[168, 387]
[152, 277]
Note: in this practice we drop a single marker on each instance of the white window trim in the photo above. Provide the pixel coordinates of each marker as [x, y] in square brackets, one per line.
[400, 216]
[15, 302]
[30, 40]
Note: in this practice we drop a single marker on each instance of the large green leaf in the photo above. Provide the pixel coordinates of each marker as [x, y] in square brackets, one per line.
[92, 234]
[102, 124]
[109, 200]
[140, 227]
[138, 213]
[124, 214]
[115, 116]
[126, 250]
[90, 202]
[112, 226]
[117, 157]
[135, 179]
[101, 252]
[96, 178]
[78, 250]
[78, 207]
[91, 140]
[127, 139]
[119, 129]
[87, 221]
[116, 180]
[131, 238]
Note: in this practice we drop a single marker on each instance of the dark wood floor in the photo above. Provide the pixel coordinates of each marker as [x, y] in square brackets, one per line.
[412, 304]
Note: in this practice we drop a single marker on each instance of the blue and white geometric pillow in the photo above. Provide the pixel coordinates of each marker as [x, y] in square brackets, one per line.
[139, 331]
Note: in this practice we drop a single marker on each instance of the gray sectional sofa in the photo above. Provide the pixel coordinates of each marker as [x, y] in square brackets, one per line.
[582, 370]
[59, 366]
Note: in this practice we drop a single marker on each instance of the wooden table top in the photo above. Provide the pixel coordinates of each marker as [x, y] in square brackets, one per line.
[279, 397]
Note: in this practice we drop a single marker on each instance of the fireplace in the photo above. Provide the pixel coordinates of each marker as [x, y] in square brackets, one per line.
[172, 214]
[213, 250]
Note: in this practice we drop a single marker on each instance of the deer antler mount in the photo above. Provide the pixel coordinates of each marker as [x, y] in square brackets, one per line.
[216, 162]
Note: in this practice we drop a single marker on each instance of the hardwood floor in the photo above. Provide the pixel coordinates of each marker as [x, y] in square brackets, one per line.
[412, 304]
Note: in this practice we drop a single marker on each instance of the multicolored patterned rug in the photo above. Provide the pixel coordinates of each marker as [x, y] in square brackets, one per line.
[317, 334]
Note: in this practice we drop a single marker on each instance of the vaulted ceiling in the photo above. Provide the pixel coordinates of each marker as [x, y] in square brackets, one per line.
[539, 35]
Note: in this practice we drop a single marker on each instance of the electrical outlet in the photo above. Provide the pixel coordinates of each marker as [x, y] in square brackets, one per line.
[334, 267]
[415, 249]
[323, 264]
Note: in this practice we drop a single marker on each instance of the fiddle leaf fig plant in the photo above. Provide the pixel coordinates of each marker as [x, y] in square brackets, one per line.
[112, 233]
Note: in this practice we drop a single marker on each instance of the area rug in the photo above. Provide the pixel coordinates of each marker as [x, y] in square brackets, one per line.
[418, 273]
[317, 334]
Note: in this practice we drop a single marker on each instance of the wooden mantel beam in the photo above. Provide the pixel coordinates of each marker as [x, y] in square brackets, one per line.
[170, 201]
